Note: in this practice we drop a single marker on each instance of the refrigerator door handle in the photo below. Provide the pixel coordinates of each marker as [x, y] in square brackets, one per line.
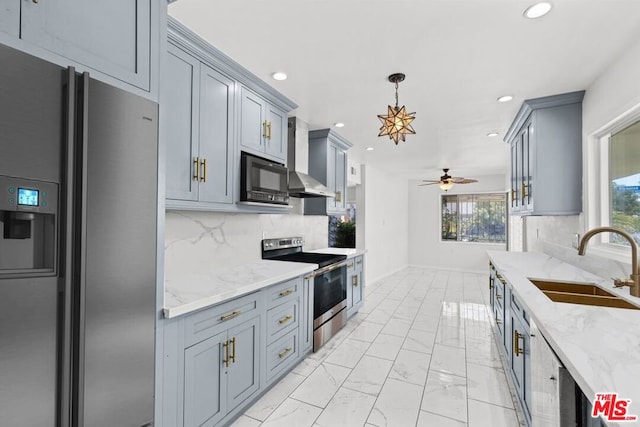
[81, 141]
[65, 289]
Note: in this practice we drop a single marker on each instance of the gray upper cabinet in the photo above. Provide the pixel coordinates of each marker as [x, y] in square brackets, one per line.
[112, 37]
[198, 127]
[546, 156]
[262, 127]
[328, 164]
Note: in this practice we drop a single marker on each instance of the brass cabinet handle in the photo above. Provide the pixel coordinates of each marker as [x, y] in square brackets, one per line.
[498, 275]
[498, 321]
[498, 296]
[268, 130]
[355, 281]
[350, 265]
[338, 196]
[233, 352]
[264, 129]
[230, 316]
[309, 277]
[513, 195]
[504, 282]
[196, 169]
[203, 164]
[285, 319]
[359, 262]
[524, 191]
[284, 352]
[226, 354]
[287, 292]
[516, 348]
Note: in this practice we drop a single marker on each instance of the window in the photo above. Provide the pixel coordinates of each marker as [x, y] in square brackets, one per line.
[474, 217]
[624, 182]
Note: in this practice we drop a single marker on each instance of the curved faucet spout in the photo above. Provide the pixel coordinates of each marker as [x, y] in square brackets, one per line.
[634, 283]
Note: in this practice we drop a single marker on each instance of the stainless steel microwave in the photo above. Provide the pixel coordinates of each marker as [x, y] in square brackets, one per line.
[263, 181]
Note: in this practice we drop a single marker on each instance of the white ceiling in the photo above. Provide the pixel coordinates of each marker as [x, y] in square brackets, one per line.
[459, 57]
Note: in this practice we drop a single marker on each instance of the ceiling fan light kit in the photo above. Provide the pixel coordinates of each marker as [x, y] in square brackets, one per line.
[397, 122]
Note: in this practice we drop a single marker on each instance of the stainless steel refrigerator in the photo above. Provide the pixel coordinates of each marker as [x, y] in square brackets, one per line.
[78, 203]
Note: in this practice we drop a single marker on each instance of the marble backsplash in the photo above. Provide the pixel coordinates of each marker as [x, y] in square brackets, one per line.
[196, 239]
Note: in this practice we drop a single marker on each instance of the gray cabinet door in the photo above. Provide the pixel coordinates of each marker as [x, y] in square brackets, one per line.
[517, 357]
[111, 36]
[332, 155]
[252, 120]
[216, 136]
[350, 280]
[179, 127]
[244, 366]
[277, 141]
[205, 382]
[358, 284]
[306, 318]
[10, 17]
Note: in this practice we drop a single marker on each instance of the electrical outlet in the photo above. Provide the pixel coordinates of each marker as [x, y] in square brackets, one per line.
[575, 241]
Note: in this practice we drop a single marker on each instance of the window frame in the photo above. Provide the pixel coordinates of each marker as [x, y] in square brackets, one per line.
[596, 185]
[478, 193]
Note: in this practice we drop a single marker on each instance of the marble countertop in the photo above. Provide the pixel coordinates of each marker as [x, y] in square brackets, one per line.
[600, 346]
[198, 290]
[349, 252]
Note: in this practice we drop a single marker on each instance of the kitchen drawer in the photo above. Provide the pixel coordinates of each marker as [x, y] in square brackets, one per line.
[518, 309]
[282, 354]
[499, 290]
[282, 319]
[283, 292]
[208, 322]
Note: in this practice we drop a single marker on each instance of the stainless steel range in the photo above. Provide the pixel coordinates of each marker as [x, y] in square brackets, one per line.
[329, 284]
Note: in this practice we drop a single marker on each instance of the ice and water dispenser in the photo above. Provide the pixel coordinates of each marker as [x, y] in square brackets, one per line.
[28, 226]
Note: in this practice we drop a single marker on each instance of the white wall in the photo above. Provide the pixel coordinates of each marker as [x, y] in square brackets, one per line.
[425, 246]
[614, 93]
[381, 210]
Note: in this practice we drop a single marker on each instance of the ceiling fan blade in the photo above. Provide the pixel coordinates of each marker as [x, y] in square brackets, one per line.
[435, 181]
[458, 180]
[429, 183]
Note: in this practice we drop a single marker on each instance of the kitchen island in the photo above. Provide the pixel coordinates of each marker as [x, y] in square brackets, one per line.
[599, 346]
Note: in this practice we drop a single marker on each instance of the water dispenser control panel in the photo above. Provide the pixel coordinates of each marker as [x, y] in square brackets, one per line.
[24, 195]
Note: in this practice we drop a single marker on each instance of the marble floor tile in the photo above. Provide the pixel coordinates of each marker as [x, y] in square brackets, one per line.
[450, 360]
[348, 353]
[385, 346]
[450, 336]
[397, 327]
[486, 415]
[347, 408]
[397, 405]
[369, 375]
[483, 352]
[427, 419]
[417, 340]
[489, 385]
[411, 366]
[366, 331]
[245, 421]
[321, 385]
[274, 397]
[306, 366]
[445, 395]
[293, 413]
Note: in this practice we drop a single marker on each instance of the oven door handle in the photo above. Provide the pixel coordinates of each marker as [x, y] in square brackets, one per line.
[329, 268]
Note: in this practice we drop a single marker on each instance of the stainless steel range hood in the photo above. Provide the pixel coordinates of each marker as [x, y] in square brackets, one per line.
[301, 184]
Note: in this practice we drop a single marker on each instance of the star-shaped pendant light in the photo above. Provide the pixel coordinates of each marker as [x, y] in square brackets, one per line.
[397, 122]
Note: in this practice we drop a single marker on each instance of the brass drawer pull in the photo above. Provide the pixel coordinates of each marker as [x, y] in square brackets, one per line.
[285, 319]
[359, 262]
[287, 292]
[354, 281]
[498, 296]
[498, 276]
[516, 347]
[230, 316]
[513, 195]
[264, 129]
[203, 163]
[284, 352]
[498, 321]
[350, 265]
[196, 169]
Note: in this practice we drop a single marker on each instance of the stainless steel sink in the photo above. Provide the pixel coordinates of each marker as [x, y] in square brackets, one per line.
[580, 293]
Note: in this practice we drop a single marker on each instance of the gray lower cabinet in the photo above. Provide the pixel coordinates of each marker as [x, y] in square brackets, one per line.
[354, 285]
[84, 33]
[198, 128]
[545, 140]
[219, 360]
[262, 127]
[328, 164]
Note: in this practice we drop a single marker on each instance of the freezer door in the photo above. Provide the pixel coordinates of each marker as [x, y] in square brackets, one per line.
[31, 100]
[117, 278]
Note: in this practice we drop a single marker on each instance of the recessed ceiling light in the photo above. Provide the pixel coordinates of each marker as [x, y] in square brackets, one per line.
[537, 10]
[370, 148]
[339, 125]
[505, 98]
[279, 76]
[491, 134]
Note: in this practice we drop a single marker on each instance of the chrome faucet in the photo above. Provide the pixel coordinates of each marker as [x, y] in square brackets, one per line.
[634, 281]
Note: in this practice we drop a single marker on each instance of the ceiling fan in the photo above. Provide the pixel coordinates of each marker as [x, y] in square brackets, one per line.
[447, 181]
